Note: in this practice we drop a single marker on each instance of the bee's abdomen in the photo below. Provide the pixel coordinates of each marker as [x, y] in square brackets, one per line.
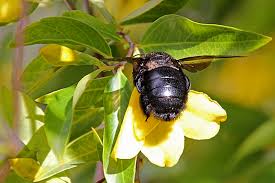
[166, 89]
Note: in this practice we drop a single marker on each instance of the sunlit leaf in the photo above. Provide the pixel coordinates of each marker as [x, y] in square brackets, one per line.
[11, 11]
[152, 10]
[27, 119]
[116, 98]
[58, 55]
[41, 77]
[58, 121]
[25, 167]
[85, 149]
[106, 30]
[181, 37]
[64, 30]
[59, 180]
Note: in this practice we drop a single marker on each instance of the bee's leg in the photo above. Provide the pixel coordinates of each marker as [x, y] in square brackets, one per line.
[145, 105]
[139, 80]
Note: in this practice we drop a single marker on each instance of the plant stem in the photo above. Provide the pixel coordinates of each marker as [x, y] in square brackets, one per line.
[127, 38]
[4, 170]
[18, 65]
[70, 5]
[99, 174]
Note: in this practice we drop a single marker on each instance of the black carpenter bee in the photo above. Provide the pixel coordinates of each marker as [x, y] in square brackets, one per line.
[162, 84]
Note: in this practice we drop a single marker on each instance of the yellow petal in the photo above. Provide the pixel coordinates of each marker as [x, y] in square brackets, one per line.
[127, 145]
[202, 105]
[164, 145]
[196, 127]
[141, 127]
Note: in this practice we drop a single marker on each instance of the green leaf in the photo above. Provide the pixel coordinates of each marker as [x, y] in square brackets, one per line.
[85, 149]
[262, 137]
[64, 30]
[40, 77]
[100, 6]
[58, 120]
[152, 10]
[182, 38]
[59, 180]
[13, 177]
[37, 148]
[83, 173]
[116, 98]
[108, 31]
[6, 105]
[88, 103]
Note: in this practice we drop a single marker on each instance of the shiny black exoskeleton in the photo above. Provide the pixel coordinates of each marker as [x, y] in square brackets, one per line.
[162, 84]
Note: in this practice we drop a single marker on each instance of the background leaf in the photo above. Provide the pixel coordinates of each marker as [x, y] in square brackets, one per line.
[11, 10]
[115, 100]
[152, 10]
[6, 107]
[85, 149]
[262, 137]
[182, 37]
[100, 6]
[64, 30]
[88, 103]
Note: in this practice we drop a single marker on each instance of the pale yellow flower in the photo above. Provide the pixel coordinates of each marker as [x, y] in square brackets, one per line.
[160, 141]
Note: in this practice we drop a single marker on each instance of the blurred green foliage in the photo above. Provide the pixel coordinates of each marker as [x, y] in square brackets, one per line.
[244, 149]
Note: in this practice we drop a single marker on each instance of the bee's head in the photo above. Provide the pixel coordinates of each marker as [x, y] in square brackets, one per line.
[159, 59]
[158, 56]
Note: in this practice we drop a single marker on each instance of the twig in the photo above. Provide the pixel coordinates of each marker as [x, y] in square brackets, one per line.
[88, 7]
[139, 164]
[70, 5]
[99, 174]
[4, 170]
[18, 65]
[101, 180]
[127, 38]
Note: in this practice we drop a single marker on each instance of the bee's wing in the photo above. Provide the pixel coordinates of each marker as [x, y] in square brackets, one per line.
[127, 59]
[198, 63]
